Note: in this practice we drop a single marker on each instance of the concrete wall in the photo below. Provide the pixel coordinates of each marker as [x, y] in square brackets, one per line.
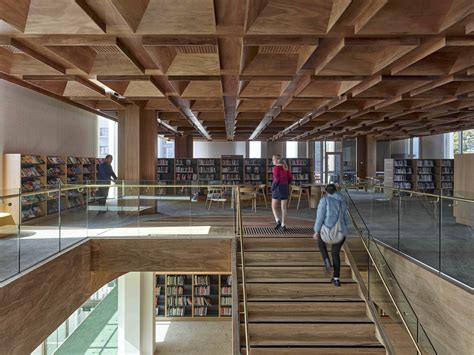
[38, 124]
[435, 147]
[205, 149]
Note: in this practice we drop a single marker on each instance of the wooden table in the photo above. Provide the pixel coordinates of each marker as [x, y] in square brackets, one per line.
[315, 193]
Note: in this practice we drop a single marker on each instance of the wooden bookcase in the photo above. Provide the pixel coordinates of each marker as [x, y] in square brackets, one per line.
[193, 296]
[255, 171]
[232, 169]
[209, 170]
[398, 173]
[444, 176]
[301, 170]
[30, 172]
[186, 170]
[269, 173]
[423, 175]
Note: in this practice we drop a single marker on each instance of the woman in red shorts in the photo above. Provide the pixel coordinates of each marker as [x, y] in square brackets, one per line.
[280, 190]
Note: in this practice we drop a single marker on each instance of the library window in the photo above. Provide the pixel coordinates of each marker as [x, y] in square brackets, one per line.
[103, 132]
[291, 150]
[104, 150]
[255, 150]
[165, 148]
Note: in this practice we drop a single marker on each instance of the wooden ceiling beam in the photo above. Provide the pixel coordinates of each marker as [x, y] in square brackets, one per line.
[432, 85]
[38, 89]
[427, 47]
[130, 56]
[37, 56]
[327, 51]
[92, 14]
[178, 40]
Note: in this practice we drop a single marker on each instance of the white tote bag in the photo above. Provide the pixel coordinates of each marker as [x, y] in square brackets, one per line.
[333, 235]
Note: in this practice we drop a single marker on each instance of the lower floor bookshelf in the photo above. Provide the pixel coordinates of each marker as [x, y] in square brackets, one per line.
[193, 296]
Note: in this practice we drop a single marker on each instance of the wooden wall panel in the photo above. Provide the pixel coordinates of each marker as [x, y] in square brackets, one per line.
[183, 146]
[128, 143]
[148, 142]
[35, 304]
[445, 310]
[463, 187]
[161, 255]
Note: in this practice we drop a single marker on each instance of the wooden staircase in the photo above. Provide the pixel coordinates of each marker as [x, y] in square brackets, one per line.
[292, 306]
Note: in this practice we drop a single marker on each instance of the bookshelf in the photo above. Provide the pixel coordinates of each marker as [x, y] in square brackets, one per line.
[301, 170]
[209, 170]
[444, 176]
[225, 301]
[165, 170]
[232, 167]
[423, 175]
[255, 171]
[269, 173]
[32, 172]
[398, 173]
[186, 170]
[193, 296]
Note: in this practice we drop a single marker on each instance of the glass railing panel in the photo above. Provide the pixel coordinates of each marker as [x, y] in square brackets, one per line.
[424, 342]
[456, 258]
[39, 229]
[10, 211]
[113, 210]
[396, 293]
[74, 214]
[420, 227]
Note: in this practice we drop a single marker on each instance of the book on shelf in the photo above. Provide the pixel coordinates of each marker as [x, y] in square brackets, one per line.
[55, 160]
[226, 311]
[32, 159]
[31, 172]
[226, 301]
[31, 185]
[202, 290]
[74, 161]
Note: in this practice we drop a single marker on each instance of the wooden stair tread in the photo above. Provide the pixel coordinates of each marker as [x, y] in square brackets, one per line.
[317, 351]
[291, 273]
[302, 291]
[281, 243]
[307, 312]
[304, 334]
[302, 258]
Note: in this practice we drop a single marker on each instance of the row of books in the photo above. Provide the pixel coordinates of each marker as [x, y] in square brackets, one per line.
[32, 159]
[35, 171]
[175, 280]
[202, 290]
[403, 171]
[201, 279]
[174, 301]
[226, 311]
[226, 301]
[55, 171]
[424, 170]
[175, 290]
[31, 211]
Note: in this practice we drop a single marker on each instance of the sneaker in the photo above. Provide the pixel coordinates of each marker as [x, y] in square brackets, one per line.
[327, 265]
[278, 225]
[284, 229]
[336, 282]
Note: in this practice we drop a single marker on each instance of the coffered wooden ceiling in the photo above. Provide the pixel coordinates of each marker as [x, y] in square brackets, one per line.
[253, 69]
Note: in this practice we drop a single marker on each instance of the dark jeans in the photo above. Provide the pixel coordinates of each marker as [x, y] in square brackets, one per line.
[336, 260]
[102, 194]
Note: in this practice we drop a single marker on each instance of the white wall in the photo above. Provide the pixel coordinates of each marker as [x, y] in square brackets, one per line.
[37, 124]
[205, 149]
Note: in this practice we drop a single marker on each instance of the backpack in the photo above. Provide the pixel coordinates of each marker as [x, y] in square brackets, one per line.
[334, 234]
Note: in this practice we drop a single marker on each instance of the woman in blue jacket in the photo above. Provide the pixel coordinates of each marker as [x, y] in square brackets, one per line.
[328, 213]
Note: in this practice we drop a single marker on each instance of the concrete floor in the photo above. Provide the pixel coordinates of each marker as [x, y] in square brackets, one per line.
[419, 235]
[194, 337]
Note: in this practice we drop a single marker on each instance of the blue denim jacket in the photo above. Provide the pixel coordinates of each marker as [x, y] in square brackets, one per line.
[329, 215]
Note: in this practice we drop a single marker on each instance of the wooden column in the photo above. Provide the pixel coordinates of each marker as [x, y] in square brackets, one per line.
[183, 146]
[362, 157]
[137, 144]
[148, 145]
[371, 156]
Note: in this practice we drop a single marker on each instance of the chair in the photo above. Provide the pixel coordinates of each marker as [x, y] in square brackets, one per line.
[297, 192]
[249, 194]
[262, 191]
[214, 195]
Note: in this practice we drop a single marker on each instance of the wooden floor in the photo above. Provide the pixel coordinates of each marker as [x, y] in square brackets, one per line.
[292, 306]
